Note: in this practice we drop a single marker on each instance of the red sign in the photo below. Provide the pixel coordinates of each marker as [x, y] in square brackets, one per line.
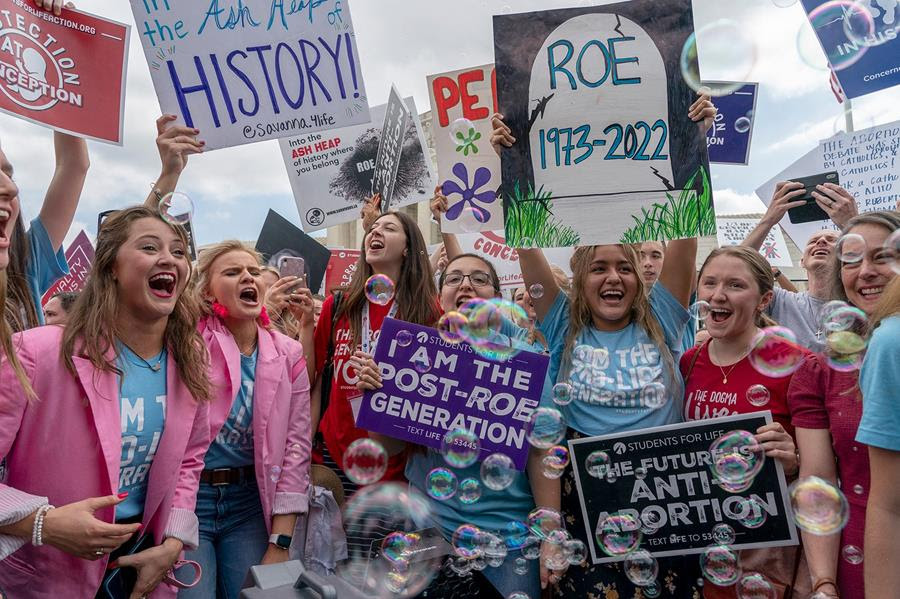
[79, 257]
[340, 269]
[65, 72]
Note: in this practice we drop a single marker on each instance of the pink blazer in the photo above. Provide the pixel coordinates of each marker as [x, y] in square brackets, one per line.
[281, 417]
[66, 446]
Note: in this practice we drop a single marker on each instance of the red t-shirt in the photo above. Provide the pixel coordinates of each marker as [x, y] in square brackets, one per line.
[706, 396]
[337, 424]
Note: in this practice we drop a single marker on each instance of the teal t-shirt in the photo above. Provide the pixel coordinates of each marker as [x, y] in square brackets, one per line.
[623, 382]
[142, 409]
[879, 379]
[233, 446]
[44, 267]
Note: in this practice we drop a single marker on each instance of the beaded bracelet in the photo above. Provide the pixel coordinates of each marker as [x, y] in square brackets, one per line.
[38, 530]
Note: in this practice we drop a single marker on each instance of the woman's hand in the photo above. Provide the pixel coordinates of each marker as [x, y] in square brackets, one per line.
[501, 135]
[703, 112]
[837, 202]
[175, 143]
[279, 294]
[370, 211]
[778, 444]
[54, 6]
[302, 306]
[784, 198]
[152, 565]
[549, 576]
[369, 376]
[274, 555]
[439, 204]
[73, 528]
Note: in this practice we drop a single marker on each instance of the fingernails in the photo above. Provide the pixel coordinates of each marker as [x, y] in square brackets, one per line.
[140, 527]
[112, 565]
[122, 495]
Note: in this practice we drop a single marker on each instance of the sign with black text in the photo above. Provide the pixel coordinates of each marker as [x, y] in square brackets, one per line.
[390, 146]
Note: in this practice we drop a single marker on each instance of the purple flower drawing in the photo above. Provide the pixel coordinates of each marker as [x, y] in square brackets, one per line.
[470, 195]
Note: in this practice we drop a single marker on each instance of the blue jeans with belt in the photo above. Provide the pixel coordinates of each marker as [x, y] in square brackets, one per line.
[233, 537]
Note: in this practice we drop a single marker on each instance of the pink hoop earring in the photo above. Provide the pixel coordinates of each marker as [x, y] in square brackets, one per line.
[219, 310]
[264, 318]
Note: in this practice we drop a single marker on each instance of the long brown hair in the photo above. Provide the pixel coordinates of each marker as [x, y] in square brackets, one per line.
[580, 312]
[6, 345]
[760, 270]
[91, 329]
[889, 219]
[414, 291]
[19, 310]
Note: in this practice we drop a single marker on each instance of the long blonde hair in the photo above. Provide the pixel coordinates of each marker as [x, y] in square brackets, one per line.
[6, 345]
[205, 262]
[888, 305]
[91, 330]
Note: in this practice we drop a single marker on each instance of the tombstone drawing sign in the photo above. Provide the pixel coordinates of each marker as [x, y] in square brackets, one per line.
[462, 103]
[253, 70]
[605, 151]
[79, 257]
[733, 231]
[390, 147]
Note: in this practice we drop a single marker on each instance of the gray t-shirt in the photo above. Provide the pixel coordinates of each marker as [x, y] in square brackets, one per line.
[800, 313]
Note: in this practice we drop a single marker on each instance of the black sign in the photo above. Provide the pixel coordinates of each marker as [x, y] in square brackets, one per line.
[280, 237]
[396, 121]
[661, 479]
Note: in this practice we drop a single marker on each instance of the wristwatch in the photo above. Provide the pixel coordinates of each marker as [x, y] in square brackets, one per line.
[280, 541]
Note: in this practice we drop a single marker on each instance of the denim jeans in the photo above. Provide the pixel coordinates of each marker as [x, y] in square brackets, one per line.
[506, 581]
[233, 537]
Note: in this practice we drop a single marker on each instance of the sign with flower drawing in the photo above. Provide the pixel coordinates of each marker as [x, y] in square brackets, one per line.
[462, 104]
[605, 151]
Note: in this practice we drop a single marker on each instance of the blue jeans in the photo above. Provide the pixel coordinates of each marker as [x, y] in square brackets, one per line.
[233, 537]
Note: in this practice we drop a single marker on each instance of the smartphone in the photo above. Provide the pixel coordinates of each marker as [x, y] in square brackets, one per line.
[810, 211]
[290, 266]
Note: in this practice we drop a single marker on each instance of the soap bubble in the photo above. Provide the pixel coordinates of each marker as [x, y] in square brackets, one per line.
[892, 248]
[808, 47]
[654, 396]
[472, 218]
[520, 566]
[275, 473]
[452, 327]
[846, 337]
[641, 568]
[652, 591]
[758, 395]
[555, 461]
[544, 520]
[483, 330]
[515, 534]
[404, 338]
[531, 548]
[546, 428]
[852, 554]
[597, 463]
[468, 541]
[775, 352]
[575, 551]
[497, 471]
[462, 131]
[723, 534]
[819, 507]
[618, 534]
[379, 289]
[753, 514]
[858, 489]
[469, 491]
[460, 566]
[399, 546]
[176, 208]
[719, 565]
[556, 558]
[651, 522]
[846, 24]
[742, 124]
[727, 53]
[850, 248]
[699, 310]
[460, 447]
[562, 394]
[440, 484]
[518, 594]
[494, 548]
[736, 457]
[784, 3]
[536, 291]
[365, 461]
[754, 585]
[640, 473]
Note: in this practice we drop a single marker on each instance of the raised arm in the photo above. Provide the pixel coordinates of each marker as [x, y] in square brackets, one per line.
[175, 143]
[62, 197]
[782, 201]
[439, 205]
[678, 271]
[536, 270]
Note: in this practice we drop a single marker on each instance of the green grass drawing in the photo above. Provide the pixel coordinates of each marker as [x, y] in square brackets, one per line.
[689, 215]
[529, 221]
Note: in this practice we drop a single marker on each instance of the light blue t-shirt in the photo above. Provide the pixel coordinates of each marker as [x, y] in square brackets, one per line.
[689, 333]
[142, 409]
[623, 383]
[44, 267]
[879, 379]
[233, 446]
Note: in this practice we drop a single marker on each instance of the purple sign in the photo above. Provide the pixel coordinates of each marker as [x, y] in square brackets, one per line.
[494, 399]
[728, 140]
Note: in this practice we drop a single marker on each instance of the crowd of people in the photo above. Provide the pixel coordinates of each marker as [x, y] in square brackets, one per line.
[174, 423]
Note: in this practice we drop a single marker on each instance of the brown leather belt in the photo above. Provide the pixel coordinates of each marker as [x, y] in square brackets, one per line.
[228, 476]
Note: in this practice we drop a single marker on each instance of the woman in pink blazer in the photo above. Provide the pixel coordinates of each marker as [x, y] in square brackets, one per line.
[116, 434]
[256, 474]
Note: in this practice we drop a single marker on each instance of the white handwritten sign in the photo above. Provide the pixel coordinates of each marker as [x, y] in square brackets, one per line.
[733, 231]
[244, 71]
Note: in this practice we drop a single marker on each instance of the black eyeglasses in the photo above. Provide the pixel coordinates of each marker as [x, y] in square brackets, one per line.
[477, 278]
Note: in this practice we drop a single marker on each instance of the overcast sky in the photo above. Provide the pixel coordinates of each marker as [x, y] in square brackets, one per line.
[401, 42]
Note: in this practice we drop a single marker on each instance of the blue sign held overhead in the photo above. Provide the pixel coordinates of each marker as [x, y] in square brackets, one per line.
[728, 140]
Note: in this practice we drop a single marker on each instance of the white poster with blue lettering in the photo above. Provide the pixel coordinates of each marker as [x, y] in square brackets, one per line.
[243, 71]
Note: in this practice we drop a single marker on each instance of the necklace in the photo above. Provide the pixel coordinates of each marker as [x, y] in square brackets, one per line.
[154, 367]
[722, 370]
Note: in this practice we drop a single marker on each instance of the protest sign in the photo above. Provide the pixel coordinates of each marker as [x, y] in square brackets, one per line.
[79, 257]
[728, 141]
[257, 70]
[867, 166]
[494, 399]
[462, 103]
[605, 151]
[662, 475]
[65, 72]
[733, 231]
[331, 173]
[390, 146]
[860, 41]
[280, 237]
[341, 267]
[492, 246]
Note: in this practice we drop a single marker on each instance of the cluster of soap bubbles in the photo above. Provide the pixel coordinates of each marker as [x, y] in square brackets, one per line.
[481, 322]
[819, 507]
[775, 352]
[379, 289]
[846, 335]
[735, 460]
[176, 208]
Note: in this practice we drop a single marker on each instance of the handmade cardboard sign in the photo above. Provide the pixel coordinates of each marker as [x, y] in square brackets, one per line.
[733, 231]
[255, 69]
[65, 72]
[494, 399]
[660, 482]
[605, 151]
[728, 141]
[390, 146]
[79, 257]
